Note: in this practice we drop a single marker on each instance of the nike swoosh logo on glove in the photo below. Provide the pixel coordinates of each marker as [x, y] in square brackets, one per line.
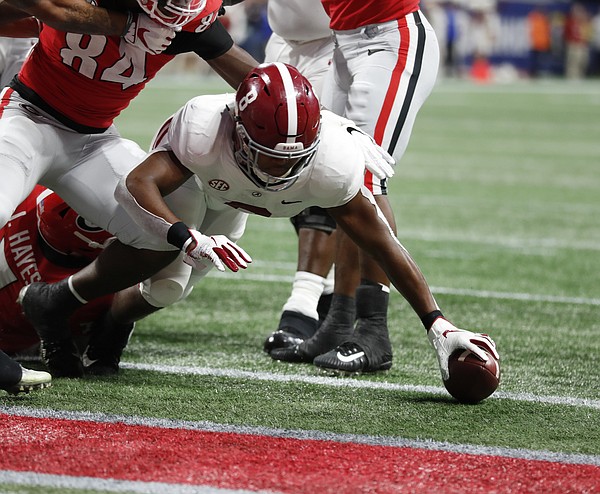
[445, 333]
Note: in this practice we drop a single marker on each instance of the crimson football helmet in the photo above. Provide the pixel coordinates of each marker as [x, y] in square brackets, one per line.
[278, 115]
[172, 13]
[66, 232]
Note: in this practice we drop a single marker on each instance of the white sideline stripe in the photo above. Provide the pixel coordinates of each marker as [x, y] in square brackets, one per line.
[398, 442]
[352, 383]
[108, 485]
[528, 297]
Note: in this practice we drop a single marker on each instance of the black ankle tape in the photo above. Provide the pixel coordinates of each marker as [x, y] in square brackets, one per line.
[297, 324]
[429, 319]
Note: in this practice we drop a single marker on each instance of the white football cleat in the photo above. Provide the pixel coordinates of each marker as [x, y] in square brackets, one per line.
[30, 380]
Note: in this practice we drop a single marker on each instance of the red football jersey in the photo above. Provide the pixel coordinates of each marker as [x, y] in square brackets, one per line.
[21, 263]
[91, 79]
[352, 14]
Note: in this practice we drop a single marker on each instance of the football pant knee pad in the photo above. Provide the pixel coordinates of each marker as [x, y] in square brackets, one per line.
[162, 293]
[315, 218]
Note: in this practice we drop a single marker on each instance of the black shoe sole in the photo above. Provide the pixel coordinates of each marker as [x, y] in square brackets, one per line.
[331, 364]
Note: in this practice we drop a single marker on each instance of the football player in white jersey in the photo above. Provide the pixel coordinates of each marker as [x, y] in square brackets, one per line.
[302, 38]
[266, 150]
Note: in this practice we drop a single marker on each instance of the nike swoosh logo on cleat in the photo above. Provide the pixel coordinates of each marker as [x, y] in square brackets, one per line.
[86, 361]
[350, 358]
[289, 202]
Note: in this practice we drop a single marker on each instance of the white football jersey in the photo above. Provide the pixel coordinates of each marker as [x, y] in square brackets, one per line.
[201, 136]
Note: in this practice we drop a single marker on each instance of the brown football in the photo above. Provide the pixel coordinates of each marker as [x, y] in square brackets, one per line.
[472, 380]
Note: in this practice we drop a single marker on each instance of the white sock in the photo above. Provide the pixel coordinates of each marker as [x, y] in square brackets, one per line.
[74, 292]
[329, 282]
[306, 290]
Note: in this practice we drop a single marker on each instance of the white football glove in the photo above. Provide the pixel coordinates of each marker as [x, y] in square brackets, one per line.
[377, 160]
[446, 338]
[148, 35]
[217, 249]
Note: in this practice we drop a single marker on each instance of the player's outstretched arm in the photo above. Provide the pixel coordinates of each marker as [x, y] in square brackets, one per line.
[77, 16]
[361, 220]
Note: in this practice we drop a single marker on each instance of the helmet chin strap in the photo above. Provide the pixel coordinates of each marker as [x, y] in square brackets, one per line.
[266, 176]
[91, 243]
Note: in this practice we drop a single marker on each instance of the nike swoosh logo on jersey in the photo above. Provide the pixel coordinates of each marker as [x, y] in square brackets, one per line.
[289, 202]
[350, 358]
[371, 52]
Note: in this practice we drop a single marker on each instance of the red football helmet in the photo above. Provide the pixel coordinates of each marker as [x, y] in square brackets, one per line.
[172, 13]
[278, 115]
[67, 232]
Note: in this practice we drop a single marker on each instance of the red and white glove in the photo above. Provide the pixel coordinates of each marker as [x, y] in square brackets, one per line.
[217, 249]
[446, 338]
[148, 35]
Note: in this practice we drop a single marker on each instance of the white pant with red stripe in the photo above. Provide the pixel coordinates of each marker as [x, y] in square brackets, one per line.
[381, 76]
[311, 58]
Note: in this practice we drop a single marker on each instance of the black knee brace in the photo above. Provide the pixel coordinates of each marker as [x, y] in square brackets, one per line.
[316, 218]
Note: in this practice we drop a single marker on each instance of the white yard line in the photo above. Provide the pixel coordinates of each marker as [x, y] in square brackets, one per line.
[351, 383]
[529, 297]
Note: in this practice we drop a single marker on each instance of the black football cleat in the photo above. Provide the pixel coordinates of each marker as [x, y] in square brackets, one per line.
[293, 329]
[281, 339]
[107, 342]
[62, 357]
[99, 367]
[331, 333]
[337, 328]
[291, 354]
[44, 306]
[349, 358]
[367, 350]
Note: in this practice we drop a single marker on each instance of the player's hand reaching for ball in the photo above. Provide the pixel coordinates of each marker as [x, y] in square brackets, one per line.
[446, 338]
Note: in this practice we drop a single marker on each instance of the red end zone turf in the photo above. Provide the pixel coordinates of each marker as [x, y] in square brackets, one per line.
[257, 462]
